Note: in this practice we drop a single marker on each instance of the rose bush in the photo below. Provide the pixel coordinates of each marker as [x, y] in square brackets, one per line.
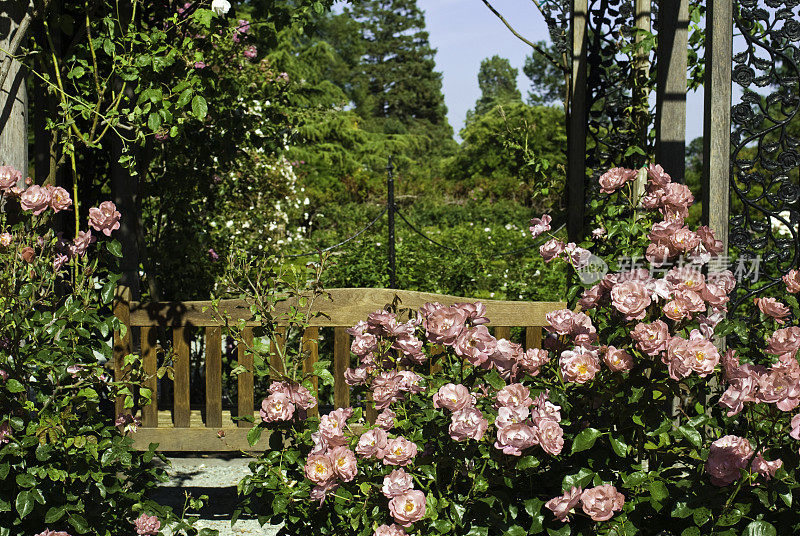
[67, 464]
[630, 420]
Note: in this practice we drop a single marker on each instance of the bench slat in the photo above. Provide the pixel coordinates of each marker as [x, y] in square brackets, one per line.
[181, 390]
[311, 348]
[213, 378]
[245, 379]
[341, 362]
[150, 366]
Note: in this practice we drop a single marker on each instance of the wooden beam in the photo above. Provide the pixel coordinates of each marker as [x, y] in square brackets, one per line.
[717, 120]
[198, 439]
[576, 124]
[673, 45]
[13, 94]
[311, 351]
[181, 390]
[345, 308]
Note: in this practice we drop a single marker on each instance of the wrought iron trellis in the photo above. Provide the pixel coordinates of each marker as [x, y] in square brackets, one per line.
[765, 136]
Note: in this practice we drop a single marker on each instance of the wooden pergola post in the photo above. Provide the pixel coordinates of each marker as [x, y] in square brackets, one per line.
[673, 44]
[717, 120]
[13, 95]
[576, 123]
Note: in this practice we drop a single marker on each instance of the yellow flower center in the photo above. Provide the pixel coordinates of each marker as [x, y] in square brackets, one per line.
[700, 356]
[409, 507]
[319, 469]
[582, 369]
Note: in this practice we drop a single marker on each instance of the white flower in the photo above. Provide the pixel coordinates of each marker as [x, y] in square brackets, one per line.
[220, 7]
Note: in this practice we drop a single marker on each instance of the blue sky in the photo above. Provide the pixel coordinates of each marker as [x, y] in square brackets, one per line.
[464, 32]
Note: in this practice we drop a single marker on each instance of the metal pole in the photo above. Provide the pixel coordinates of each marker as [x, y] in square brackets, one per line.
[390, 209]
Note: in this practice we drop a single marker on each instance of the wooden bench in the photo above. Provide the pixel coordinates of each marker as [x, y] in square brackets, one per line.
[199, 430]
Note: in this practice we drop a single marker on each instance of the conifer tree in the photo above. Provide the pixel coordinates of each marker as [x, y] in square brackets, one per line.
[395, 87]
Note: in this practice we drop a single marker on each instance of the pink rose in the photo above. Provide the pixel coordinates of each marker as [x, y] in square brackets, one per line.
[332, 426]
[579, 365]
[560, 321]
[506, 416]
[5, 433]
[792, 281]
[385, 419]
[795, 424]
[320, 491]
[6, 239]
[81, 243]
[356, 376]
[372, 443]
[591, 297]
[710, 242]
[319, 469]
[389, 530]
[550, 436]
[506, 358]
[515, 438]
[543, 409]
[444, 325]
[27, 254]
[772, 307]
[147, 525]
[631, 299]
[784, 341]
[675, 200]
[685, 239]
[598, 233]
[399, 451]
[363, 344]
[408, 507]
[601, 502]
[397, 483]
[9, 177]
[726, 457]
[563, 505]
[344, 463]
[614, 178]
[514, 395]
[468, 423]
[577, 256]
[675, 310]
[59, 198]
[540, 225]
[48, 532]
[299, 395]
[533, 359]
[104, 218]
[36, 199]
[276, 407]
[476, 345]
[551, 249]
[453, 397]
[651, 338]
[657, 177]
[475, 312]
[617, 359]
[658, 254]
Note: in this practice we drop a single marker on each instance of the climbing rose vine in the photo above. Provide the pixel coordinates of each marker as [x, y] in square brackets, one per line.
[632, 418]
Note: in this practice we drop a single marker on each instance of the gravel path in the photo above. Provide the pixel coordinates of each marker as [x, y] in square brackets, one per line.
[216, 477]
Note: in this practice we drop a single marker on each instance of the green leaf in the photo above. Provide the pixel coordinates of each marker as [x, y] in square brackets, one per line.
[691, 435]
[54, 514]
[585, 440]
[24, 503]
[515, 530]
[254, 435]
[115, 248]
[199, 107]
[443, 526]
[528, 462]
[184, 98]
[619, 447]
[563, 531]
[478, 531]
[658, 491]
[154, 122]
[79, 523]
[14, 386]
[759, 528]
[691, 531]
[24, 480]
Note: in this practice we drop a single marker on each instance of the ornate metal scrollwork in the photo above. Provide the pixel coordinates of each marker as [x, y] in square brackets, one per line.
[765, 143]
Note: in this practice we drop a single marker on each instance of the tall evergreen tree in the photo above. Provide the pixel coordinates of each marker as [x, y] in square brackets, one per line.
[497, 80]
[395, 87]
[547, 81]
